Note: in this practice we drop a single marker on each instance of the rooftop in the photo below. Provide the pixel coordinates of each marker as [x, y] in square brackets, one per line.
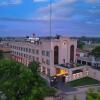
[83, 51]
[38, 39]
[70, 65]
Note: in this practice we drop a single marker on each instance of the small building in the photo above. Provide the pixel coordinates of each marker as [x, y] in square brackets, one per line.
[4, 46]
[84, 57]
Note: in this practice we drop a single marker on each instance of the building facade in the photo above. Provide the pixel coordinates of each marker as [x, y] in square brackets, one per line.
[57, 56]
[84, 57]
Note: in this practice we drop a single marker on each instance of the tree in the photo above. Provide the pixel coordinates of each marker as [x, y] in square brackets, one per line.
[92, 95]
[80, 44]
[0, 39]
[18, 82]
[75, 97]
[1, 54]
[34, 66]
[96, 51]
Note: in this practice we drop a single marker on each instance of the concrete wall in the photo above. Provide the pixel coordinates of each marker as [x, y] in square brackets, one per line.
[94, 73]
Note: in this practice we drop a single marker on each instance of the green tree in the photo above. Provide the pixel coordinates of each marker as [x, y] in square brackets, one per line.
[96, 51]
[92, 95]
[88, 97]
[1, 54]
[34, 66]
[18, 82]
[75, 97]
[80, 44]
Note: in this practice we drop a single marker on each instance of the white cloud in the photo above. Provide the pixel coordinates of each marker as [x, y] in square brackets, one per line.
[9, 2]
[60, 10]
[64, 10]
[56, 5]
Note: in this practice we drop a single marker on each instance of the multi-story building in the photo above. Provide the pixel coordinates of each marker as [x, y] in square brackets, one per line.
[57, 56]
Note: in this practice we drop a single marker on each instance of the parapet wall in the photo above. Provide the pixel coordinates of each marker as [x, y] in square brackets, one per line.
[94, 73]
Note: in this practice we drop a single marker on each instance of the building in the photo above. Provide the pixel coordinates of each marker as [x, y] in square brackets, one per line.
[84, 57]
[4, 47]
[56, 55]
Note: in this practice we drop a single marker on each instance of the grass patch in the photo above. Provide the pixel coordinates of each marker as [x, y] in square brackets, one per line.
[83, 81]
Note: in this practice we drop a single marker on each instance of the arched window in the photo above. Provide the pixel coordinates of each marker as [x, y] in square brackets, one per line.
[56, 54]
[72, 53]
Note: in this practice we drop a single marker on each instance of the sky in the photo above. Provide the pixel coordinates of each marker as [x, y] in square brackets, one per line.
[68, 18]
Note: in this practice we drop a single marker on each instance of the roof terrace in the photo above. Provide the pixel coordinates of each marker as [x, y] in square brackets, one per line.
[70, 65]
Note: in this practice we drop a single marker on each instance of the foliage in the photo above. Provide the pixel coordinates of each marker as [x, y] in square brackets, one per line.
[1, 54]
[98, 90]
[93, 39]
[91, 95]
[80, 45]
[19, 82]
[34, 66]
[96, 51]
[75, 97]
[91, 90]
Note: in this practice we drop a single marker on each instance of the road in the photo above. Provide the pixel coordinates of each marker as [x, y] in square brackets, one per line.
[70, 92]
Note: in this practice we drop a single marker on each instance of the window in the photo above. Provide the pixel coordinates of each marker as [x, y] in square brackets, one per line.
[11, 46]
[26, 49]
[43, 61]
[37, 51]
[33, 58]
[33, 51]
[89, 63]
[48, 53]
[48, 72]
[48, 62]
[43, 53]
[56, 55]
[23, 49]
[29, 50]
[30, 57]
[44, 70]
[19, 48]
[24, 55]
[21, 54]
[72, 53]
[17, 53]
[37, 59]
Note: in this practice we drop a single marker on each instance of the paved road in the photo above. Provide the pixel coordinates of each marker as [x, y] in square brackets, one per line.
[65, 88]
[69, 92]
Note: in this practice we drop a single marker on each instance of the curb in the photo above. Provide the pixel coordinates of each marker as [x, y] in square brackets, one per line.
[87, 86]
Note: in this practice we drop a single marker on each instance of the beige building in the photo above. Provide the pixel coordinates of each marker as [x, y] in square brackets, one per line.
[57, 56]
[5, 49]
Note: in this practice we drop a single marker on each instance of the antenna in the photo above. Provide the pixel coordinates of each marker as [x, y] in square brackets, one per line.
[50, 18]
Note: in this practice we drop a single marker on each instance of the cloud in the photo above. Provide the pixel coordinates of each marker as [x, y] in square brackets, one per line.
[72, 10]
[9, 2]
[60, 10]
[56, 5]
